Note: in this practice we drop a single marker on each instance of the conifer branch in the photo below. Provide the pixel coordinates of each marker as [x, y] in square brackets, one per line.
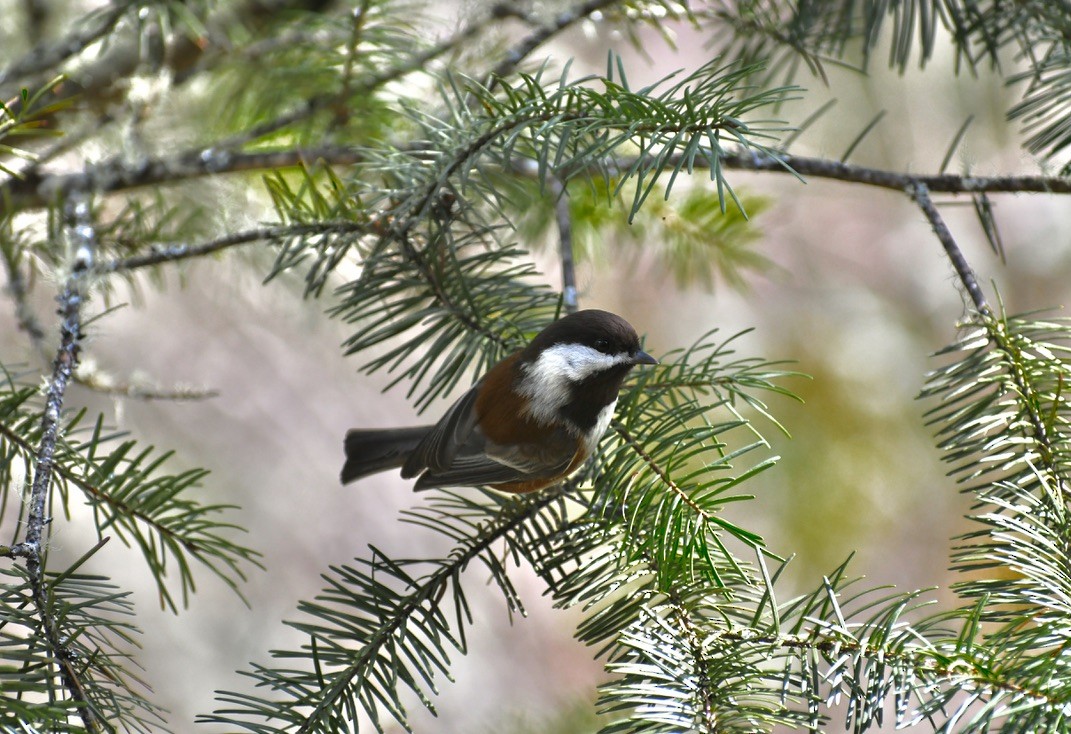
[1030, 399]
[364, 604]
[947, 183]
[955, 255]
[430, 588]
[564, 217]
[82, 241]
[171, 253]
[953, 669]
[119, 507]
[36, 190]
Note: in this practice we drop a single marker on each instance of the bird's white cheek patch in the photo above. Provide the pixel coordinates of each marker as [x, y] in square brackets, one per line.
[548, 380]
[574, 362]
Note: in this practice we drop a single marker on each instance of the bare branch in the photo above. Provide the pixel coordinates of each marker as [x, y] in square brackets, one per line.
[36, 190]
[82, 238]
[101, 382]
[565, 237]
[955, 255]
[176, 252]
[747, 160]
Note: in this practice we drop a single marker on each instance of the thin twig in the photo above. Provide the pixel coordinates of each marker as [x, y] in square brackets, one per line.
[750, 160]
[963, 269]
[36, 190]
[82, 238]
[105, 384]
[48, 56]
[175, 252]
[544, 33]
[564, 216]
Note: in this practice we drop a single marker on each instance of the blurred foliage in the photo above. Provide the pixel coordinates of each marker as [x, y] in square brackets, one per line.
[689, 237]
[26, 117]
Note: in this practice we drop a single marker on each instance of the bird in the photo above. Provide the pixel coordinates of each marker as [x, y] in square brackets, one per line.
[532, 420]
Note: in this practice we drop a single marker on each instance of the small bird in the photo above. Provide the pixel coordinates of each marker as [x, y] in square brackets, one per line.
[531, 421]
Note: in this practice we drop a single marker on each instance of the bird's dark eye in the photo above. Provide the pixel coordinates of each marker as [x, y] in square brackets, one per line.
[602, 345]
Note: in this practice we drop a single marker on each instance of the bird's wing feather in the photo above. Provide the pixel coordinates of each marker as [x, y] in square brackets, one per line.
[500, 464]
[454, 430]
[470, 472]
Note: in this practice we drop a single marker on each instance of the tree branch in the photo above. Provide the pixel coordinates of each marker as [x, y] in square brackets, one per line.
[963, 269]
[36, 190]
[177, 252]
[82, 239]
[431, 588]
[947, 183]
[565, 234]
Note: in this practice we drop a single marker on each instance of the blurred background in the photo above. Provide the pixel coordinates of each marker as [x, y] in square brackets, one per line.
[859, 295]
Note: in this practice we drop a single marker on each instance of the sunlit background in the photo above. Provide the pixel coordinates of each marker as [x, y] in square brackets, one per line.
[859, 296]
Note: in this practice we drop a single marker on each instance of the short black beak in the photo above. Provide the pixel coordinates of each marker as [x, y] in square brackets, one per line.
[642, 357]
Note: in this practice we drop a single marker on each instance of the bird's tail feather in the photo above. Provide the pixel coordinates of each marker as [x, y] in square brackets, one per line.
[371, 451]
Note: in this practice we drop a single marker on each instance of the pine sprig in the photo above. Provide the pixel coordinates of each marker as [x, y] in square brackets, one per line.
[96, 618]
[1002, 422]
[130, 496]
[701, 657]
[791, 35]
[380, 630]
[667, 126]
[1038, 33]
[24, 118]
[339, 63]
[670, 484]
[569, 128]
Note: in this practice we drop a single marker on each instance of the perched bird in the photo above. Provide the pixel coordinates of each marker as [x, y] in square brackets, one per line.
[532, 420]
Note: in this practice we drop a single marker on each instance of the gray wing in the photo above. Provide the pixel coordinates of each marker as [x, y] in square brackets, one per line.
[499, 464]
[455, 429]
